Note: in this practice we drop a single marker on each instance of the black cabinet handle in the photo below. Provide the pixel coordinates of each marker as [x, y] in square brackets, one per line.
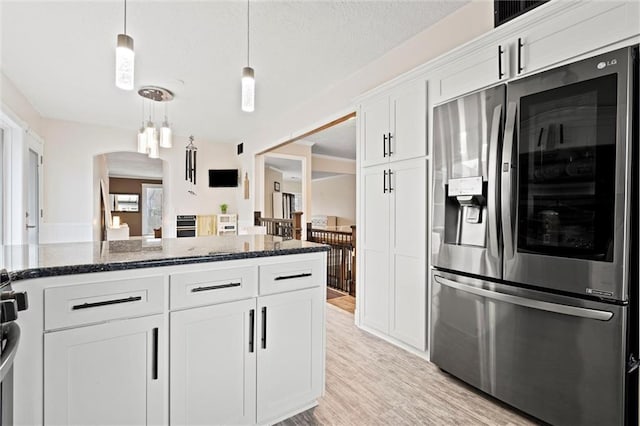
[264, 327]
[215, 287]
[384, 145]
[154, 361]
[384, 182]
[389, 139]
[390, 174]
[290, 277]
[500, 52]
[520, 44]
[106, 303]
[252, 320]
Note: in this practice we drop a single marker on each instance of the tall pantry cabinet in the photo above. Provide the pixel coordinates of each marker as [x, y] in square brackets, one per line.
[393, 213]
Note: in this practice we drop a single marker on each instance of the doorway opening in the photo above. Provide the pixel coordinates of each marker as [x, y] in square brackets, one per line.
[328, 186]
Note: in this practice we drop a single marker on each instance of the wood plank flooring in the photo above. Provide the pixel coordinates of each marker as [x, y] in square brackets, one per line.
[371, 382]
[341, 300]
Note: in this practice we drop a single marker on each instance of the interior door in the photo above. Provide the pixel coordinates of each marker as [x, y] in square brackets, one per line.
[33, 198]
[568, 131]
[151, 207]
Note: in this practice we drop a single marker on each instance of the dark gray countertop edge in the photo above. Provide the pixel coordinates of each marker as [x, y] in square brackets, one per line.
[54, 271]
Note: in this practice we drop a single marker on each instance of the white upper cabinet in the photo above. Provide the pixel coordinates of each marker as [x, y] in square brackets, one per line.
[394, 125]
[554, 33]
[576, 31]
[481, 68]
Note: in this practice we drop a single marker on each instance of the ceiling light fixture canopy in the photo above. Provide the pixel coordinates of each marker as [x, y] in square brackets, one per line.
[150, 139]
[124, 57]
[248, 78]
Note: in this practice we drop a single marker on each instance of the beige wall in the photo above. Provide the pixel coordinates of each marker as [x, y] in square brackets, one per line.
[324, 163]
[335, 196]
[271, 176]
[292, 186]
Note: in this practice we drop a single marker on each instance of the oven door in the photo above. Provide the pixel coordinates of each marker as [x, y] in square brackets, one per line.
[565, 177]
[8, 347]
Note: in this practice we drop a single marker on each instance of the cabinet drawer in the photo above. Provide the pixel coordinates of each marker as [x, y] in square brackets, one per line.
[102, 301]
[213, 286]
[291, 276]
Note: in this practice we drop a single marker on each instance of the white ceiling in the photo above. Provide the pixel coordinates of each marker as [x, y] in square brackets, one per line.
[133, 165]
[336, 141]
[61, 55]
[290, 169]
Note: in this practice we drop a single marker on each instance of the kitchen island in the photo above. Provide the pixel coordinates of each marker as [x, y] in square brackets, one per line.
[207, 330]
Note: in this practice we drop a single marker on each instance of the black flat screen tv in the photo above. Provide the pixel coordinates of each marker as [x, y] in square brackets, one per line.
[223, 178]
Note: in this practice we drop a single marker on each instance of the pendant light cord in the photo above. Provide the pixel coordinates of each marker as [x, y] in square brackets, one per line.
[248, 26]
[125, 16]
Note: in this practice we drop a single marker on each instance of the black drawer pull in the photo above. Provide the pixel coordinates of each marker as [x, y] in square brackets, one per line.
[215, 287]
[154, 361]
[106, 303]
[252, 324]
[264, 327]
[290, 277]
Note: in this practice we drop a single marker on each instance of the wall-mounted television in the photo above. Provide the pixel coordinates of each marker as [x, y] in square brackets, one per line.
[223, 178]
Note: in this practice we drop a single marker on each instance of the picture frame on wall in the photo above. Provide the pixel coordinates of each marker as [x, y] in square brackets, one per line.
[276, 186]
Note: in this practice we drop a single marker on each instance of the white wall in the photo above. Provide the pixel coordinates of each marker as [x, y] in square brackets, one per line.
[100, 173]
[335, 196]
[71, 196]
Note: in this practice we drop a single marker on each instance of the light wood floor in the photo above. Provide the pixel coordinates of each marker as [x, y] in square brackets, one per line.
[371, 382]
[344, 302]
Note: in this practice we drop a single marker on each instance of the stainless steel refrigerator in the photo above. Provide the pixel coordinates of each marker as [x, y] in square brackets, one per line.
[535, 241]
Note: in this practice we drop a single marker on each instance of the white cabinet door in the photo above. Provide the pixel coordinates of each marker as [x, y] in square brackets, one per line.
[576, 31]
[213, 365]
[408, 292]
[409, 121]
[290, 351]
[375, 131]
[482, 68]
[112, 373]
[374, 246]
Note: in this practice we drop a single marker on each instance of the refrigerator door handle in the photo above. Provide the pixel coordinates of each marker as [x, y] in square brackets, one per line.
[529, 303]
[507, 175]
[492, 195]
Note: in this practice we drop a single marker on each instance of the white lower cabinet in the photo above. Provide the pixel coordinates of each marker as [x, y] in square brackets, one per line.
[111, 373]
[213, 364]
[290, 360]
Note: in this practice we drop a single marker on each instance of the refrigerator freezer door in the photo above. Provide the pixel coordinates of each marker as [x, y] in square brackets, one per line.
[467, 139]
[557, 358]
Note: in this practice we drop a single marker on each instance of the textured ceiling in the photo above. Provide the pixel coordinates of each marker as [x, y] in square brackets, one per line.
[61, 55]
[336, 141]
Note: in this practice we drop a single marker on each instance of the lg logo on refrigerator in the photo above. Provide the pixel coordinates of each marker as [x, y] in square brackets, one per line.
[604, 64]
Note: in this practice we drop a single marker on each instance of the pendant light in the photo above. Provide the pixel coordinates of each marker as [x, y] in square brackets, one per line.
[165, 131]
[248, 79]
[149, 137]
[124, 57]
[143, 147]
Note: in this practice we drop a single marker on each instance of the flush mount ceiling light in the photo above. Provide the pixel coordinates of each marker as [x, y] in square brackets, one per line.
[124, 57]
[248, 80]
[150, 139]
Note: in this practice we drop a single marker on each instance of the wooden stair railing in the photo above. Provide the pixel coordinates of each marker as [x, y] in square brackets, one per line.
[341, 260]
[285, 228]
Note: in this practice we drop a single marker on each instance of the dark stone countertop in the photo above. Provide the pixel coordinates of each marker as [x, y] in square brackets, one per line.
[47, 260]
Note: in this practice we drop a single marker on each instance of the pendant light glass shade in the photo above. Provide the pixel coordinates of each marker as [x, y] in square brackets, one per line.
[124, 62]
[143, 147]
[152, 140]
[165, 135]
[248, 89]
